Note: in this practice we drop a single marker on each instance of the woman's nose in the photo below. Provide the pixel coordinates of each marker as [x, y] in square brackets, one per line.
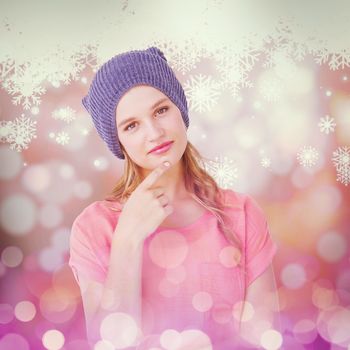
[154, 130]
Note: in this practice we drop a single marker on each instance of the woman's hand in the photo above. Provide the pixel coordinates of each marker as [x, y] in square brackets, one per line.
[146, 208]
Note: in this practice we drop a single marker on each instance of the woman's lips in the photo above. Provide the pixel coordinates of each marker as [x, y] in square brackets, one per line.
[163, 149]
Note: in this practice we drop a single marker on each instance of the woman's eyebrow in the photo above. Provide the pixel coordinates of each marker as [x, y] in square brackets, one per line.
[152, 107]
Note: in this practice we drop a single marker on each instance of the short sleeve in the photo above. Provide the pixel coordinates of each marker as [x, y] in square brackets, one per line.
[259, 246]
[82, 258]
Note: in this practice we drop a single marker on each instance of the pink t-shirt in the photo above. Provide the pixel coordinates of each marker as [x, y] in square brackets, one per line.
[190, 279]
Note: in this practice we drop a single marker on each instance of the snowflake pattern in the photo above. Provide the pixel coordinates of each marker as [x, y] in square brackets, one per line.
[5, 130]
[18, 133]
[25, 89]
[25, 82]
[341, 161]
[202, 92]
[66, 114]
[327, 124]
[234, 68]
[62, 138]
[70, 67]
[7, 67]
[223, 171]
[265, 162]
[335, 60]
[182, 58]
[307, 156]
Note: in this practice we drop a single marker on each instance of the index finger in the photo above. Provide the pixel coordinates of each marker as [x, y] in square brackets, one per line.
[152, 177]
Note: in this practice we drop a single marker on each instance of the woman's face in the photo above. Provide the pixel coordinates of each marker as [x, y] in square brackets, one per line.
[151, 124]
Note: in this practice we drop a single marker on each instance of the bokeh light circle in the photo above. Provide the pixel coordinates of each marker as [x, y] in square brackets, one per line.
[332, 247]
[168, 249]
[230, 256]
[339, 326]
[333, 324]
[50, 258]
[305, 331]
[82, 189]
[195, 339]
[202, 301]
[12, 256]
[247, 311]
[53, 339]
[56, 305]
[62, 179]
[36, 178]
[25, 311]
[293, 276]
[323, 298]
[18, 214]
[120, 329]
[101, 163]
[170, 339]
[271, 340]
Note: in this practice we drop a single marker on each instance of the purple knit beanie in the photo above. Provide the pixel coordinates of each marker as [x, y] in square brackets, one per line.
[118, 75]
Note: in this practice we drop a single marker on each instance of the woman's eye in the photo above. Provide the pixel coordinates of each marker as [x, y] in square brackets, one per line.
[166, 108]
[127, 127]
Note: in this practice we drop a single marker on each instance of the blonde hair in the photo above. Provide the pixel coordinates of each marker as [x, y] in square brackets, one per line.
[200, 185]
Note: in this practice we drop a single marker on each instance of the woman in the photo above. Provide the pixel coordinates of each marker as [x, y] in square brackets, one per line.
[169, 260]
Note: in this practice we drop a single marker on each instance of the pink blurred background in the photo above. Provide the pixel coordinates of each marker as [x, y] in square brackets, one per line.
[284, 138]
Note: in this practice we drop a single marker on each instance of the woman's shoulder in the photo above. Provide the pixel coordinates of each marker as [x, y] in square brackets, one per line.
[242, 202]
[233, 197]
[96, 214]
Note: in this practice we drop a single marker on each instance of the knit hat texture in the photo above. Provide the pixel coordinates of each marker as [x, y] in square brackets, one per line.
[119, 74]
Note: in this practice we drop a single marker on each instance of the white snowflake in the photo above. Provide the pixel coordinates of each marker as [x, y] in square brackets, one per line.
[335, 60]
[202, 92]
[86, 57]
[265, 162]
[69, 67]
[234, 68]
[341, 160]
[283, 39]
[223, 170]
[327, 124]
[20, 132]
[181, 58]
[25, 88]
[6, 67]
[62, 138]
[5, 130]
[307, 156]
[66, 114]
